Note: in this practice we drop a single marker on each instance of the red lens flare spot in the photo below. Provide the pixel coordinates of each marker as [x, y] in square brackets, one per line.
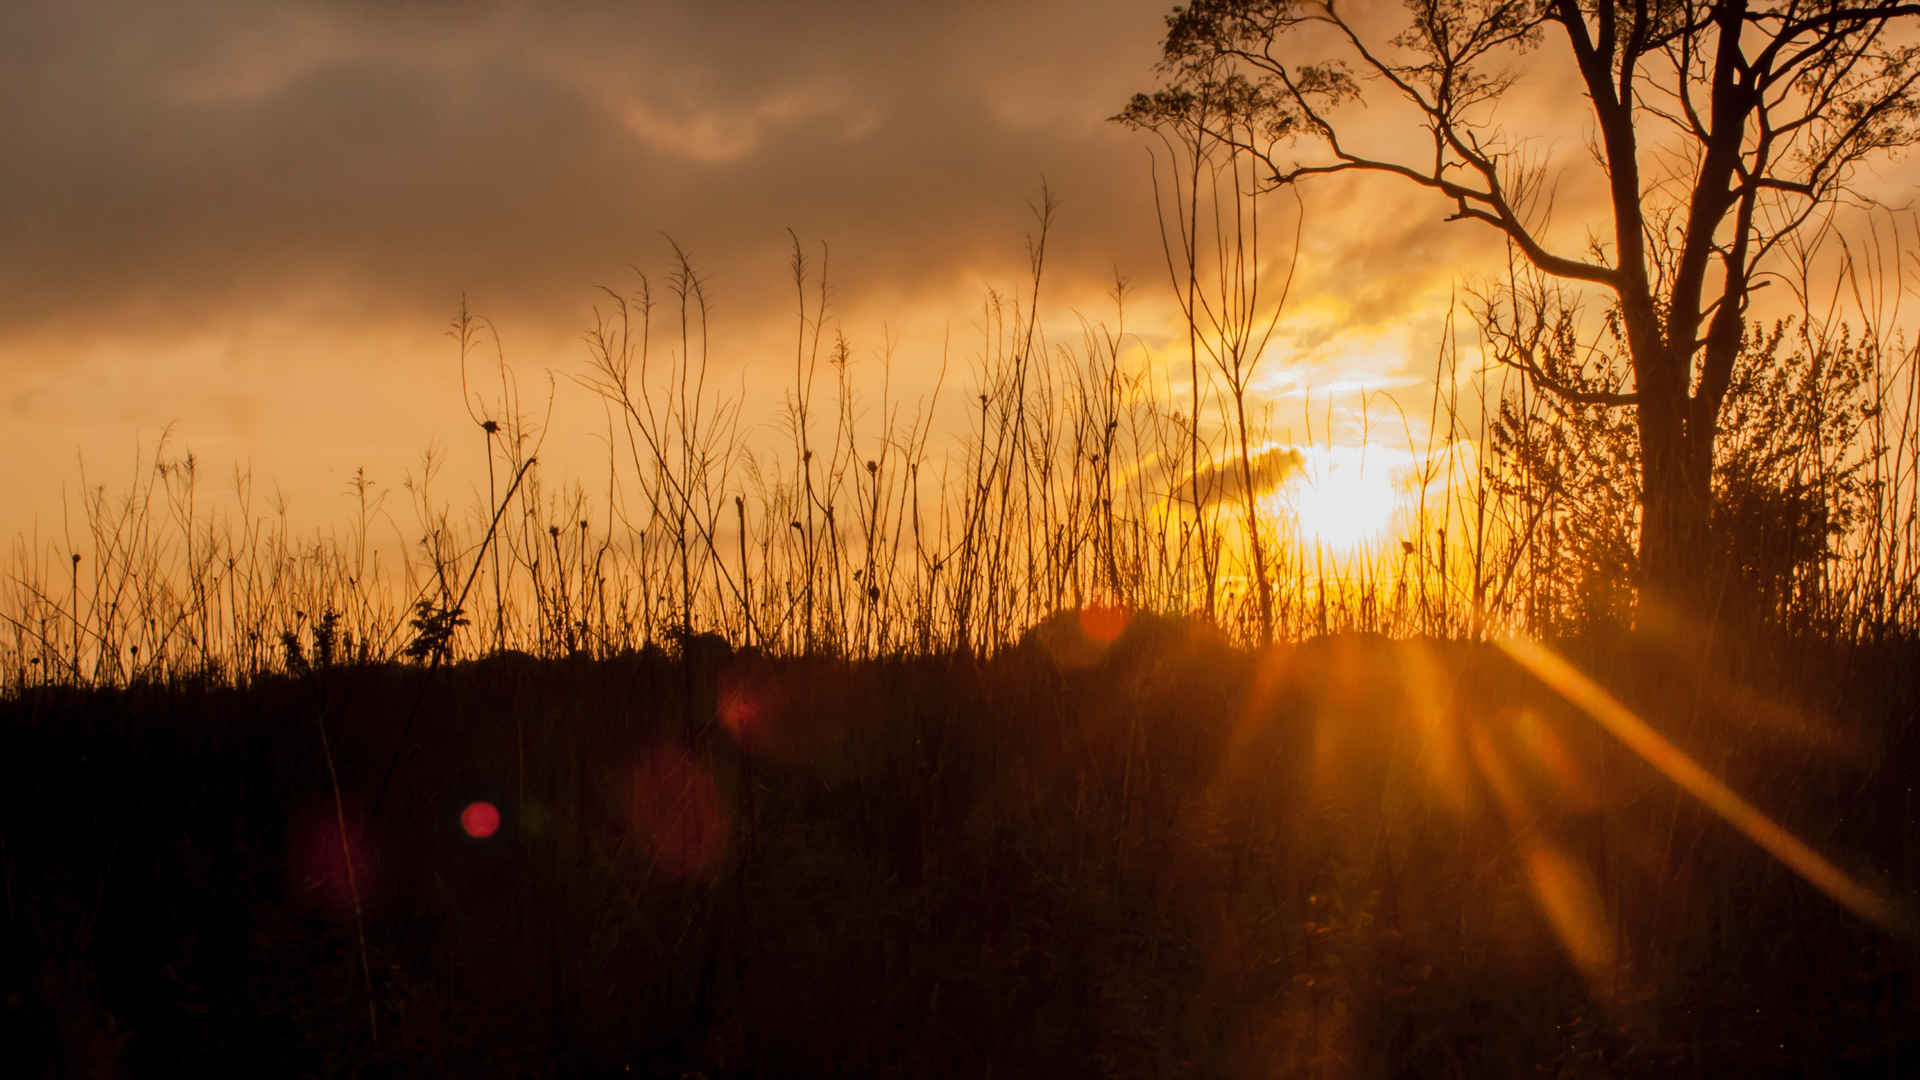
[676, 808]
[755, 710]
[480, 820]
[741, 712]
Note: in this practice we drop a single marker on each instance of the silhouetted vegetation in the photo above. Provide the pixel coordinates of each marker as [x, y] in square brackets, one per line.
[1073, 485]
[1148, 854]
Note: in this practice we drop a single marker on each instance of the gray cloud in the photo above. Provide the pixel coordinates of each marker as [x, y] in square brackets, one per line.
[1220, 482]
[257, 215]
[219, 154]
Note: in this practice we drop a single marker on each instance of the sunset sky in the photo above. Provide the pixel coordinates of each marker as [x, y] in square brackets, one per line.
[253, 220]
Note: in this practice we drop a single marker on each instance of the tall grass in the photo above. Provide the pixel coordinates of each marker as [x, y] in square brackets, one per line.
[1084, 474]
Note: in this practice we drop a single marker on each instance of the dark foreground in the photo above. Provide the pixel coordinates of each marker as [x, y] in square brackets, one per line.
[1345, 858]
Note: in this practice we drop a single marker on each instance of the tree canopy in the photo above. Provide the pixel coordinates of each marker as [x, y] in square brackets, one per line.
[1721, 130]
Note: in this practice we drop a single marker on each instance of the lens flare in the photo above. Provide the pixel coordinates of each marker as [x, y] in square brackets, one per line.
[480, 820]
[676, 808]
[1103, 624]
[1573, 685]
[1562, 887]
[742, 712]
[331, 859]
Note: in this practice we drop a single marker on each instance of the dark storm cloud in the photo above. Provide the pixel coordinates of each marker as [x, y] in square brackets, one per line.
[189, 161]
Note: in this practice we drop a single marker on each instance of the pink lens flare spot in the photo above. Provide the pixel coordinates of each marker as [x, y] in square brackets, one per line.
[480, 820]
[330, 867]
[677, 809]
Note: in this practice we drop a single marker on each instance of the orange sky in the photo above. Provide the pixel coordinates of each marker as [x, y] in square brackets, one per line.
[252, 219]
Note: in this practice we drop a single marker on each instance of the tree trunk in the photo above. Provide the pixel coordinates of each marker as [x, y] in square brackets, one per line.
[1676, 469]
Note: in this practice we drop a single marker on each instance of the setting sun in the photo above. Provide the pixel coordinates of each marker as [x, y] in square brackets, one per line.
[1343, 508]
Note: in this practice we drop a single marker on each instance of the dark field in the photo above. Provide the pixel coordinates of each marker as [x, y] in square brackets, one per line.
[1347, 857]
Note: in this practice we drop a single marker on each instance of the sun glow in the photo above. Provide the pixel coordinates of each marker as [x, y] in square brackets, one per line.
[1343, 507]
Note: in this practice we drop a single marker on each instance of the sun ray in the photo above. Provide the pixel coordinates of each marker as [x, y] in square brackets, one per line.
[1573, 685]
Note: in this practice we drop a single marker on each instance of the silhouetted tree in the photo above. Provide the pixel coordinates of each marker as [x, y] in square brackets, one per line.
[1721, 128]
[1210, 219]
[1790, 471]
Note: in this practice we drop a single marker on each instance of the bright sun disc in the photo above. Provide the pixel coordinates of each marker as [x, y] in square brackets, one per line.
[1345, 508]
